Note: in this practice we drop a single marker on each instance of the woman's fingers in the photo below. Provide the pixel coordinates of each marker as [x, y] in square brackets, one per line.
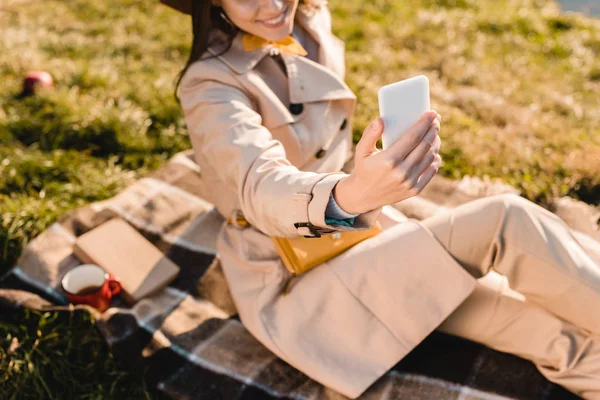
[367, 144]
[403, 146]
[428, 174]
[429, 157]
[437, 144]
[428, 144]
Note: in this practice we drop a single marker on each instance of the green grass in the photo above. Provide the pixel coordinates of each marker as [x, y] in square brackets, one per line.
[516, 82]
[51, 355]
[110, 119]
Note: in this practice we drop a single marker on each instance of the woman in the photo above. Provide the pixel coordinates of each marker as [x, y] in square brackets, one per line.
[270, 124]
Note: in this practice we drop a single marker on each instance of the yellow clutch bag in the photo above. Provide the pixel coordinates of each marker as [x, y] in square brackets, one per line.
[301, 254]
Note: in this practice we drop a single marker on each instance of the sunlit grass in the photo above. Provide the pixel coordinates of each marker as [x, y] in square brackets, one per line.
[516, 82]
[52, 355]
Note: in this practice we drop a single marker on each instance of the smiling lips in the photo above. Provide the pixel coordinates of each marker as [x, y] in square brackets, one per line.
[275, 22]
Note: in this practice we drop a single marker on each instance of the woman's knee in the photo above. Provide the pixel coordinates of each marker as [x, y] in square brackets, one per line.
[508, 199]
[520, 207]
[510, 203]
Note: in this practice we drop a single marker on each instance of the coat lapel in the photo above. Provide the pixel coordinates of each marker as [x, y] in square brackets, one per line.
[331, 48]
[308, 81]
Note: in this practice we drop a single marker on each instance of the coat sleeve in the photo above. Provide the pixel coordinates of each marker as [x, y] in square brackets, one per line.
[226, 130]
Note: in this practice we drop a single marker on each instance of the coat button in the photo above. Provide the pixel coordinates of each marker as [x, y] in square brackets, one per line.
[296, 108]
[344, 123]
[321, 153]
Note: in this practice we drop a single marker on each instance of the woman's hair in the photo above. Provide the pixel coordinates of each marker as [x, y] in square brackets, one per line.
[206, 18]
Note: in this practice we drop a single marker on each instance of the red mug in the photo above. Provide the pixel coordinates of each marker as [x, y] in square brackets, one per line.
[90, 284]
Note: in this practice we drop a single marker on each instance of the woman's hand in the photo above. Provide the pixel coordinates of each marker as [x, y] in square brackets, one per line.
[394, 174]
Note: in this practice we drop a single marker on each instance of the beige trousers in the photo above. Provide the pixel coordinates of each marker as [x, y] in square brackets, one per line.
[556, 321]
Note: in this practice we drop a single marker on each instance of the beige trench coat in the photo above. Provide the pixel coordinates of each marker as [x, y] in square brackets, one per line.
[271, 145]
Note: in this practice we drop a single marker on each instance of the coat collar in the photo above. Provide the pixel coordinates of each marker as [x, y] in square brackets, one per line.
[306, 77]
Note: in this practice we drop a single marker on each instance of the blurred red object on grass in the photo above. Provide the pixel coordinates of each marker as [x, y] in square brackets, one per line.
[35, 80]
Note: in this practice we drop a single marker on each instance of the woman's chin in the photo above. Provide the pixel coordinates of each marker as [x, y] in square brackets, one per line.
[276, 38]
[273, 34]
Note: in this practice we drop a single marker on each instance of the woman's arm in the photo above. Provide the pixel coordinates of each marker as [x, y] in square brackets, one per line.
[227, 132]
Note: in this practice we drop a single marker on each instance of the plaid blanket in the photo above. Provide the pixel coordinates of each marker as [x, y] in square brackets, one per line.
[187, 339]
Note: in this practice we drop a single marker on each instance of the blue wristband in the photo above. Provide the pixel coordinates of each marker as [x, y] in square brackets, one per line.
[343, 222]
[334, 215]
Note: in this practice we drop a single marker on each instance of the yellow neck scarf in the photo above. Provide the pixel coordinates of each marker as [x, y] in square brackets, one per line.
[288, 44]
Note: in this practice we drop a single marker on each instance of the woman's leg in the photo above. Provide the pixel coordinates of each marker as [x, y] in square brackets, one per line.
[532, 247]
[564, 353]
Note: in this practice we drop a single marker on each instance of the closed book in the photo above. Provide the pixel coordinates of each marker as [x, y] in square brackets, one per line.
[123, 252]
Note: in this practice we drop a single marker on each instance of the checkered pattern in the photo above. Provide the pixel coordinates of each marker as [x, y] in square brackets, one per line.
[187, 339]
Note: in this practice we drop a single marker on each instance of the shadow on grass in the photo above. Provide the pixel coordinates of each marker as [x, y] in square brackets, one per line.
[50, 355]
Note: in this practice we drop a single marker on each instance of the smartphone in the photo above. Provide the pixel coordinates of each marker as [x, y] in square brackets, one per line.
[401, 104]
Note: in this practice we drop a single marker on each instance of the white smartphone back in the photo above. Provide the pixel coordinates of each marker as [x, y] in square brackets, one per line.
[401, 104]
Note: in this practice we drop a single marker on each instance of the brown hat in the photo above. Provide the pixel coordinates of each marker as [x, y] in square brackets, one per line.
[185, 6]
